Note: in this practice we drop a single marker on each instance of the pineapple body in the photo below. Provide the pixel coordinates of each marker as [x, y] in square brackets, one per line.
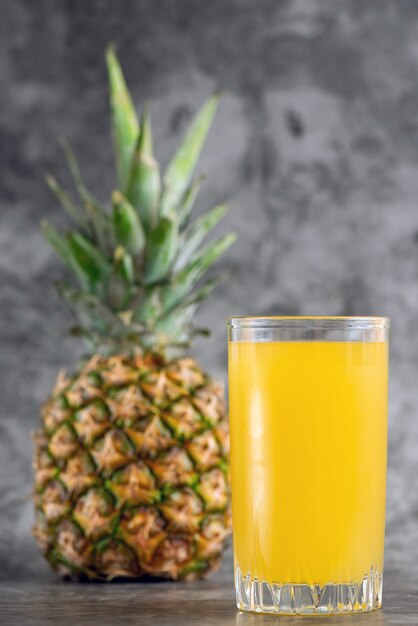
[131, 470]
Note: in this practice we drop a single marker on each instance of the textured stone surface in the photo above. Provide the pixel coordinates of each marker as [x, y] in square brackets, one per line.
[315, 143]
[209, 603]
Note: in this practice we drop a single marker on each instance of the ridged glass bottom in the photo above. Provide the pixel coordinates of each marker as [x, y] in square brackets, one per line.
[301, 599]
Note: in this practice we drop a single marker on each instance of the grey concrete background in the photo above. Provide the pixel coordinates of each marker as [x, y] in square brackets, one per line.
[315, 144]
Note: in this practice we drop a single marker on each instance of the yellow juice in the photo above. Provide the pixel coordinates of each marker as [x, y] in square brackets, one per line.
[308, 459]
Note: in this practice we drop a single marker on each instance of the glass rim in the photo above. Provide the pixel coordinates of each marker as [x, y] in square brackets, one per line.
[309, 322]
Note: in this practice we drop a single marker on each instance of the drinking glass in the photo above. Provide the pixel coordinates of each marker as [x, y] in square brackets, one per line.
[308, 412]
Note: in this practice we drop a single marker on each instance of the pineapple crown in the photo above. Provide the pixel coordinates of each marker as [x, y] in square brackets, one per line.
[138, 264]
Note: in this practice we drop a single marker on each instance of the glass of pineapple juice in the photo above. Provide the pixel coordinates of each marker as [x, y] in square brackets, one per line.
[308, 413]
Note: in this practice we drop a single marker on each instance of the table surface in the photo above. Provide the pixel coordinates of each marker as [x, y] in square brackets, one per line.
[205, 603]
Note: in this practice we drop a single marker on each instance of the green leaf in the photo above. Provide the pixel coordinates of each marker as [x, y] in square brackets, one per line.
[96, 218]
[187, 201]
[127, 227]
[144, 185]
[160, 250]
[186, 279]
[66, 202]
[193, 301]
[95, 266]
[57, 242]
[103, 330]
[121, 280]
[100, 226]
[175, 325]
[182, 165]
[125, 123]
[148, 307]
[201, 294]
[91, 312]
[83, 192]
[62, 248]
[200, 332]
[195, 234]
[123, 261]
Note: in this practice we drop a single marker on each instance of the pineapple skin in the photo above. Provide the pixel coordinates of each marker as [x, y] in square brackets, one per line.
[131, 470]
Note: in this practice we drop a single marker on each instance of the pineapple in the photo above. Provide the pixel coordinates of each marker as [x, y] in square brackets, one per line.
[131, 461]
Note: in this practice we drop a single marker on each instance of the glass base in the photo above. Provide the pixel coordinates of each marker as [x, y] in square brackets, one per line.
[303, 599]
